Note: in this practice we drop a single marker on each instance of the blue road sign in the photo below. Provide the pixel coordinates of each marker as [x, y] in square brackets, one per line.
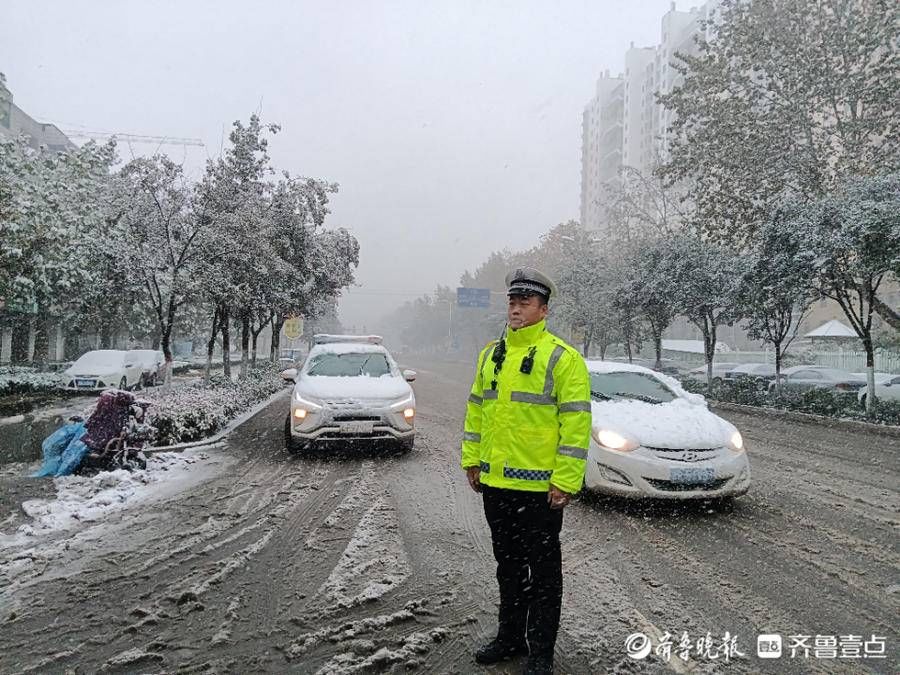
[473, 297]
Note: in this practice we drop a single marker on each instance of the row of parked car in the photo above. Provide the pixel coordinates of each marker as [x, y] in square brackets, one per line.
[803, 378]
[114, 369]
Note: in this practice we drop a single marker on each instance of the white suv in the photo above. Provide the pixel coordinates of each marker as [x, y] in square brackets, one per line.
[349, 391]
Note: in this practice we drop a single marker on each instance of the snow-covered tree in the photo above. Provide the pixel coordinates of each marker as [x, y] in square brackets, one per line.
[855, 234]
[585, 300]
[703, 280]
[645, 284]
[777, 288]
[158, 241]
[51, 209]
[232, 199]
[786, 94]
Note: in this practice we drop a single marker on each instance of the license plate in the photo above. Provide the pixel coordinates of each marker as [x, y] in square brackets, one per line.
[692, 476]
[357, 427]
[84, 383]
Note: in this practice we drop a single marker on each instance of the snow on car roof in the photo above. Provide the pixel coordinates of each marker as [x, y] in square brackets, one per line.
[347, 348]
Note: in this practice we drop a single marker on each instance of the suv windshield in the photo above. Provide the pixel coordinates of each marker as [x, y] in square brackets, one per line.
[623, 385]
[350, 364]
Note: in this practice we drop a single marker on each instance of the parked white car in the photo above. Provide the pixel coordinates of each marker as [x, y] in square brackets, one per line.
[718, 371]
[102, 369]
[152, 363]
[651, 438]
[887, 388]
[350, 391]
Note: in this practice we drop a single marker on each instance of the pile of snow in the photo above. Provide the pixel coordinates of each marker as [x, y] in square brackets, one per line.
[374, 562]
[89, 499]
[407, 651]
[353, 630]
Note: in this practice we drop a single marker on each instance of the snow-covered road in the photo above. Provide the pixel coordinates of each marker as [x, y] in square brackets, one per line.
[252, 560]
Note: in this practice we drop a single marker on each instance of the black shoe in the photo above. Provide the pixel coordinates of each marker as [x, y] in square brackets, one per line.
[539, 664]
[494, 652]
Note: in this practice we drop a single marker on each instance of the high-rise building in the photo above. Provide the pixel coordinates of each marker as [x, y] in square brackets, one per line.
[638, 138]
[601, 147]
[15, 121]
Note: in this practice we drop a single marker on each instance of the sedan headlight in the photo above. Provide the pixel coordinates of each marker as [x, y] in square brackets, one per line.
[612, 440]
[736, 442]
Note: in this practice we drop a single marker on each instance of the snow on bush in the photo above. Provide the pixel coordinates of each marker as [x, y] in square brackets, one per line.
[25, 380]
[191, 412]
[813, 401]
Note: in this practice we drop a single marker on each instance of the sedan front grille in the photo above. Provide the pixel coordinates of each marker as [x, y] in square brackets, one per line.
[684, 454]
[669, 486]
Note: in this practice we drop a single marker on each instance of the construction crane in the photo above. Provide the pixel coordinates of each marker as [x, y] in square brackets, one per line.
[132, 138]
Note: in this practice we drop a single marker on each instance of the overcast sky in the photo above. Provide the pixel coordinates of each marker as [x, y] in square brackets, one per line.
[453, 128]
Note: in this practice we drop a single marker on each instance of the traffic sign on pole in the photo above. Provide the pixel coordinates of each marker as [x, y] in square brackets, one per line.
[473, 297]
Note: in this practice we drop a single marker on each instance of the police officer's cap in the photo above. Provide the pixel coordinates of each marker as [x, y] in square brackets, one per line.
[525, 281]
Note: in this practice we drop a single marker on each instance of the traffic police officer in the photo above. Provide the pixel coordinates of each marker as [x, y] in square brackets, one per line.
[527, 430]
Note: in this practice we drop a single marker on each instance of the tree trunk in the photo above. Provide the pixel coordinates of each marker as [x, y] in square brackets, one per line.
[586, 346]
[778, 357]
[709, 350]
[105, 337]
[226, 341]
[870, 375]
[41, 338]
[657, 345]
[166, 344]
[211, 343]
[277, 324]
[245, 345]
[21, 334]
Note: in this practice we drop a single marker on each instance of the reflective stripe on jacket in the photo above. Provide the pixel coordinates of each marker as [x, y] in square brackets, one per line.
[532, 429]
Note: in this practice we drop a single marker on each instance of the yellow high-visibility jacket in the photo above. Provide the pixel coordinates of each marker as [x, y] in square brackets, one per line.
[530, 430]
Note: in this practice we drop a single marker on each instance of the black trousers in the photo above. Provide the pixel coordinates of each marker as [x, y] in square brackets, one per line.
[525, 537]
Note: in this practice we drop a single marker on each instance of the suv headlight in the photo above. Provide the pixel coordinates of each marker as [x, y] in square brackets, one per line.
[306, 403]
[612, 440]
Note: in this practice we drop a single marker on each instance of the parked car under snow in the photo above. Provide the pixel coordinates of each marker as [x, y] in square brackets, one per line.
[152, 364]
[350, 391]
[102, 369]
[651, 438]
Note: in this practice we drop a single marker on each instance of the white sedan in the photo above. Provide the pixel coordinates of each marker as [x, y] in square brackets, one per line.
[103, 369]
[887, 388]
[651, 438]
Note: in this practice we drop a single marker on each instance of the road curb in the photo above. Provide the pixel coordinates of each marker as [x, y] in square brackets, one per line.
[850, 425]
[231, 426]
